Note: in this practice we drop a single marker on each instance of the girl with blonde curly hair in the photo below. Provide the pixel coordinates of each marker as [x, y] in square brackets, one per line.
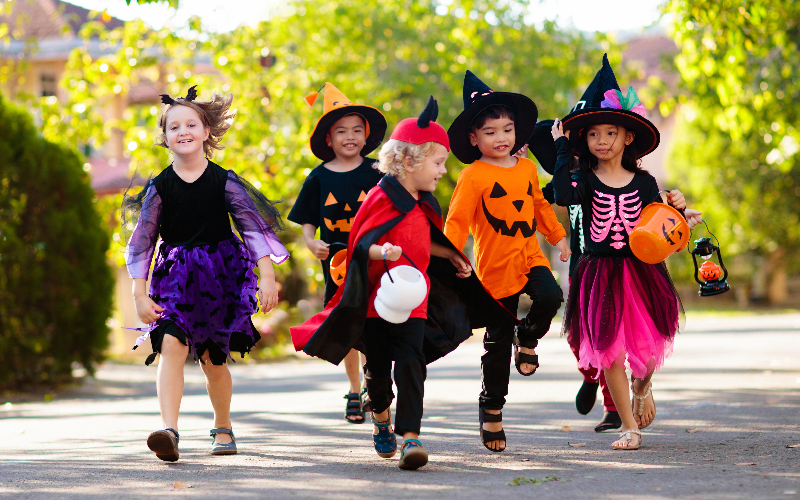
[203, 289]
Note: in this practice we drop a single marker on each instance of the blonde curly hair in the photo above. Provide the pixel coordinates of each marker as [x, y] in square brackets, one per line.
[394, 153]
[215, 114]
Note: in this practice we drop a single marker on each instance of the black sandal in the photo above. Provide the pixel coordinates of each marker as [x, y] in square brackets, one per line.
[353, 408]
[164, 444]
[521, 357]
[488, 436]
[366, 407]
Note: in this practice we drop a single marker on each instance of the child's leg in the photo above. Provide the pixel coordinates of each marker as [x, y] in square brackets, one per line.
[618, 386]
[220, 391]
[410, 372]
[640, 387]
[547, 297]
[496, 369]
[169, 383]
[378, 368]
[353, 370]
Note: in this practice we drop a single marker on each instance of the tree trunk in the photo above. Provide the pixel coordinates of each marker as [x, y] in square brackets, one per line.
[777, 291]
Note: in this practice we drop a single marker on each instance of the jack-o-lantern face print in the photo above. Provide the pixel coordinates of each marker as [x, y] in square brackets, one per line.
[509, 209]
[339, 212]
[671, 231]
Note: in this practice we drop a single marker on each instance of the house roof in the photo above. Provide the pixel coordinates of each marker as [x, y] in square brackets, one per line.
[49, 19]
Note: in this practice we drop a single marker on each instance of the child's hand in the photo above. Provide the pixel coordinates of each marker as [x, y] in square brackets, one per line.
[523, 152]
[391, 252]
[464, 269]
[267, 293]
[319, 248]
[147, 310]
[557, 130]
[563, 247]
[675, 198]
[693, 217]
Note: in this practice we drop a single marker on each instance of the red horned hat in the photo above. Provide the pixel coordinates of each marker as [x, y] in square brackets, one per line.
[423, 129]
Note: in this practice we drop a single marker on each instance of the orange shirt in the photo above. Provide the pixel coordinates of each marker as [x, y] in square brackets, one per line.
[503, 207]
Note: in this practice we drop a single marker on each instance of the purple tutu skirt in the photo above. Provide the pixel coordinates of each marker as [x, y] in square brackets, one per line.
[622, 309]
[209, 295]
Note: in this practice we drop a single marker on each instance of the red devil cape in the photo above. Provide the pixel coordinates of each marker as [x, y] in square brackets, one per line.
[455, 305]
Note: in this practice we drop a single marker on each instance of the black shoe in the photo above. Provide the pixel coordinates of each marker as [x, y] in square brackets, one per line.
[610, 422]
[586, 397]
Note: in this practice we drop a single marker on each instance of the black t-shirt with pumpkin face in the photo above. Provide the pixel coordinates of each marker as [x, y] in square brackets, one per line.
[329, 200]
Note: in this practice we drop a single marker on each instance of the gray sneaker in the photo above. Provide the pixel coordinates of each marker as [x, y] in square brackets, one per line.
[223, 449]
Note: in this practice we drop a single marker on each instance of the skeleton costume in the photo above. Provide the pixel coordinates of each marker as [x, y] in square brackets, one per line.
[620, 306]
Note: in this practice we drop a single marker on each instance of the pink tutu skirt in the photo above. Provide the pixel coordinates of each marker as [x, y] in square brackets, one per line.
[622, 309]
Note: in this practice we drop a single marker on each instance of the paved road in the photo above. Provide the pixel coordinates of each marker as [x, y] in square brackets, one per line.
[735, 380]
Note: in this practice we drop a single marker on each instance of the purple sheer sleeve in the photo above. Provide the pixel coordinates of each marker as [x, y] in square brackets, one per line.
[255, 218]
[142, 244]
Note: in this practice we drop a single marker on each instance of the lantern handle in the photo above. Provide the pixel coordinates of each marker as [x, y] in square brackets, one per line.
[403, 254]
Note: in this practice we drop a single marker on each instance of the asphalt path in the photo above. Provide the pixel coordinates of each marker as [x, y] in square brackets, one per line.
[727, 417]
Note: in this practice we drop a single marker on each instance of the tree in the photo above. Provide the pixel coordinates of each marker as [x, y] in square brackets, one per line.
[55, 284]
[737, 141]
[391, 54]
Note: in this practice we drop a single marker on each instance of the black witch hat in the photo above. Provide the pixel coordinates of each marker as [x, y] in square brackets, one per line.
[477, 97]
[603, 102]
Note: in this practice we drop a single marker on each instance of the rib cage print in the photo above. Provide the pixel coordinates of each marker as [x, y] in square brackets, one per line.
[612, 215]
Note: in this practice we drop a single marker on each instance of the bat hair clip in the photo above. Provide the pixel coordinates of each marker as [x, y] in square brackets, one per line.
[191, 95]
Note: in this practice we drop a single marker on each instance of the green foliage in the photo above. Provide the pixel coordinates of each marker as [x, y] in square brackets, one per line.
[171, 3]
[737, 143]
[390, 54]
[55, 285]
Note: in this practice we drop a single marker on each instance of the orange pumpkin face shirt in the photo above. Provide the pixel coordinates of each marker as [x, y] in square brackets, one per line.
[503, 208]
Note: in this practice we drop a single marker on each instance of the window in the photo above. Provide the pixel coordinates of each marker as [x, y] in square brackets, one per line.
[49, 84]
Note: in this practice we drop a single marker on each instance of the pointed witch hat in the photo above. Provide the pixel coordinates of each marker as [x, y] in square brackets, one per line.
[423, 129]
[603, 102]
[477, 97]
[336, 105]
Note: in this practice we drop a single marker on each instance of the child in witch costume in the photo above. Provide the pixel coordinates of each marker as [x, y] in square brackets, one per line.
[498, 198]
[399, 224]
[203, 290]
[622, 308]
[330, 197]
[544, 149]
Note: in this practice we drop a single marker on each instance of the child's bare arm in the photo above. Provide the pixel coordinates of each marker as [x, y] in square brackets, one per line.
[318, 247]
[147, 310]
[267, 288]
[463, 266]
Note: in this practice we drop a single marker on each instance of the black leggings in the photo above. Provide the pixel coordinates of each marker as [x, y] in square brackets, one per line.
[547, 297]
[386, 342]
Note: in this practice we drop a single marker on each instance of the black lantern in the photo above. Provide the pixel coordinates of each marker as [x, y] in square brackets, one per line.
[711, 277]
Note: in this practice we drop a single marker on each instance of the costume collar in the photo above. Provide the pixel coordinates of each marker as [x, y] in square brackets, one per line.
[402, 199]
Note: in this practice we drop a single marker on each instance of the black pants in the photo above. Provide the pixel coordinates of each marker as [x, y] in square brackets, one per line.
[547, 297]
[386, 342]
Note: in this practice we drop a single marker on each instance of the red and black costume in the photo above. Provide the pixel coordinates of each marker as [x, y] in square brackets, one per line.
[452, 308]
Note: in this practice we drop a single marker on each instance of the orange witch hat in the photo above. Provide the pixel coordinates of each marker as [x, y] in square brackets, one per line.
[336, 105]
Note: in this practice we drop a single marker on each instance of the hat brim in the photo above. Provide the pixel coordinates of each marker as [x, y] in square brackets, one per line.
[525, 112]
[646, 134]
[543, 146]
[377, 130]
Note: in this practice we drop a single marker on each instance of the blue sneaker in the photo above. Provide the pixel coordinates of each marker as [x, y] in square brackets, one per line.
[412, 455]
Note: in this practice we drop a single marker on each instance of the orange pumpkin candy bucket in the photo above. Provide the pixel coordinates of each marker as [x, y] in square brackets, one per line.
[339, 266]
[660, 232]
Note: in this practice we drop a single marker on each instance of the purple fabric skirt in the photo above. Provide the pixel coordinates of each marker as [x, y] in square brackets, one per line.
[622, 308]
[209, 294]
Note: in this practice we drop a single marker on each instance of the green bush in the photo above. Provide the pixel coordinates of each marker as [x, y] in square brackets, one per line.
[56, 288]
